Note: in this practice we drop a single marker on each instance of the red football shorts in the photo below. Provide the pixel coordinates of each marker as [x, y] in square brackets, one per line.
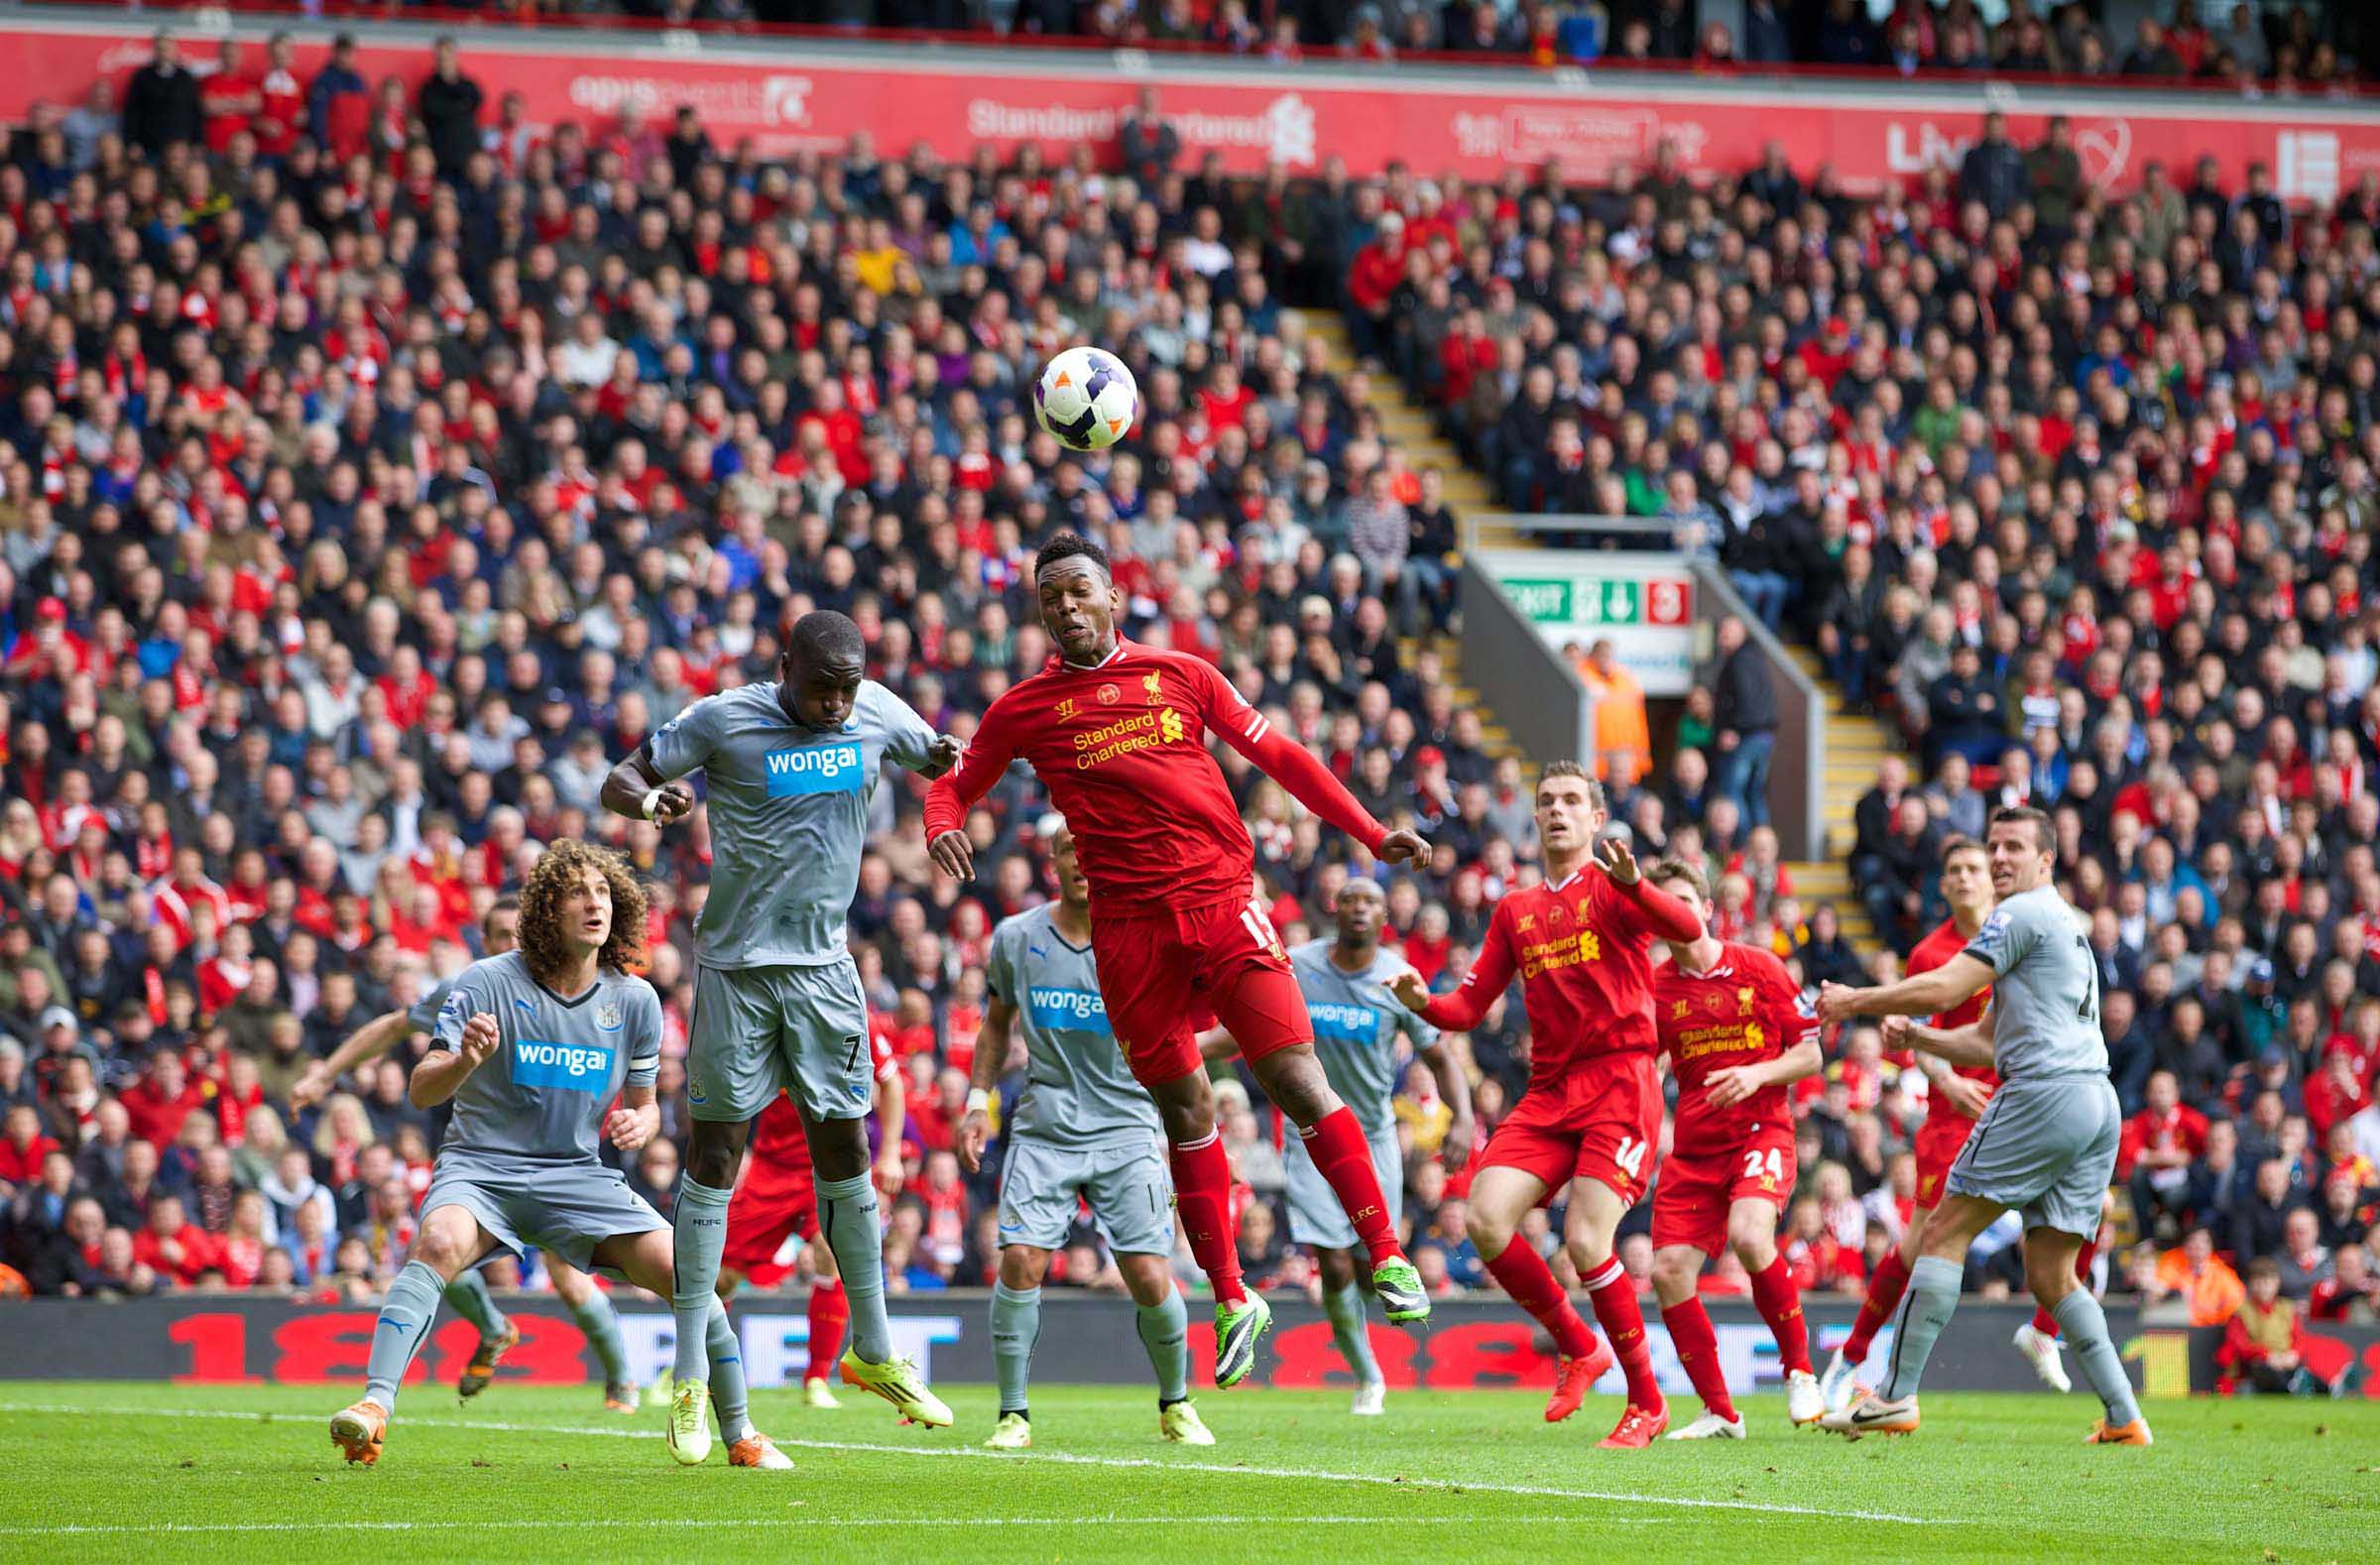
[1164, 974]
[1601, 1122]
[1937, 1145]
[1690, 1204]
[771, 1204]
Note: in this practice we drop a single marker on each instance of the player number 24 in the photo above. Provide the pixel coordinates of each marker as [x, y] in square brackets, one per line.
[1768, 1161]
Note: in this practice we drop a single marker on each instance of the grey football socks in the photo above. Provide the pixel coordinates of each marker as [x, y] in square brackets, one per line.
[698, 1239]
[2086, 1327]
[1925, 1309]
[1015, 1327]
[728, 1398]
[1352, 1332]
[1166, 1333]
[405, 1316]
[847, 1216]
[601, 1325]
[470, 1295]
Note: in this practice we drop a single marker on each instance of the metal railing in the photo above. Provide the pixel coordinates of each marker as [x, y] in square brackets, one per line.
[1549, 708]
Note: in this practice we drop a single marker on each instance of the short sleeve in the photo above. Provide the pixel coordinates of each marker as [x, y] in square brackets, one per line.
[2002, 941]
[908, 738]
[645, 1041]
[468, 997]
[423, 1016]
[685, 742]
[999, 965]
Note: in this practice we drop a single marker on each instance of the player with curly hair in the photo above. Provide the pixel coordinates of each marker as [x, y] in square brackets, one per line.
[533, 1046]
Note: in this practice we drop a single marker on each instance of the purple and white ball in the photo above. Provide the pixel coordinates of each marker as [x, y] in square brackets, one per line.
[1087, 399]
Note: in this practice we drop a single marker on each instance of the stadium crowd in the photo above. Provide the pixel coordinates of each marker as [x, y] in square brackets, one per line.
[375, 474]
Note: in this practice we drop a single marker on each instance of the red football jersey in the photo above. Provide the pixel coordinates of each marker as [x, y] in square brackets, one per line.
[1122, 750]
[778, 1139]
[1583, 953]
[1930, 953]
[1743, 1010]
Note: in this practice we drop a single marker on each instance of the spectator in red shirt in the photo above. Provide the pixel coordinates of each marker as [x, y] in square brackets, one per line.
[22, 1148]
[2337, 1091]
[163, 1098]
[2350, 1295]
[1820, 1262]
[172, 1246]
[2158, 1145]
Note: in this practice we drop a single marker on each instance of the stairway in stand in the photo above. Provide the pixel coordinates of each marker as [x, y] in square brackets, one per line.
[1855, 744]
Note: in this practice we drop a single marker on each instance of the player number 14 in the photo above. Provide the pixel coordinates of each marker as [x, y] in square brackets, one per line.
[1630, 1156]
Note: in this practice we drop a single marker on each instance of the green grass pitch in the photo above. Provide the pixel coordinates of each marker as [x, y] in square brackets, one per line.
[161, 1473]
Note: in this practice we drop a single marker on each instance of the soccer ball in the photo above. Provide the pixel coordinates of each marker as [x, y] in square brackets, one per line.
[1086, 398]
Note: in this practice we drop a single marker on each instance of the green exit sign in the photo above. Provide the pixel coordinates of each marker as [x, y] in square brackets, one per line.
[1546, 601]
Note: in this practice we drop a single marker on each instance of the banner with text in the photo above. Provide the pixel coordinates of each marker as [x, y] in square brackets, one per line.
[1643, 604]
[784, 97]
[1086, 1340]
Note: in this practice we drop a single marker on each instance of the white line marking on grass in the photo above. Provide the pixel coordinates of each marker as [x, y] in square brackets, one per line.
[1233, 1469]
[477, 1525]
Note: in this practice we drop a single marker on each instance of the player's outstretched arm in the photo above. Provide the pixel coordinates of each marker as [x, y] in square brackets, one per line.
[992, 1046]
[1938, 989]
[1293, 765]
[956, 791]
[1667, 917]
[1490, 974]
[367, 1043]
[1967, 1045]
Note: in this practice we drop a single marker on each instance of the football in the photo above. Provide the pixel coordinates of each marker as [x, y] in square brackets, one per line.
[1087, 399]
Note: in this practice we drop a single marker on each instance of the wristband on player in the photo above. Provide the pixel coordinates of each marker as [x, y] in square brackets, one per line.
[977, 1101]
[652, 804]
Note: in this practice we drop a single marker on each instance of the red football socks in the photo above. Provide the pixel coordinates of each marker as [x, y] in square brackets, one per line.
[1343, 1153]
[1780, 1304]
[1202, 1194]
[830, 1318]
[1883, 1297]
[1523, 1274]
[1613, 1297]
[2047, 1323]
[1698, 1353]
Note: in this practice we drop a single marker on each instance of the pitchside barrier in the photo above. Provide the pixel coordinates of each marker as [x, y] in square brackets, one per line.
[795, 95]
[223, 1339]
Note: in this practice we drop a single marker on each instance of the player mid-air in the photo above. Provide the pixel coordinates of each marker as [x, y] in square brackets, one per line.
[1591, 1117]
[1117, 734]
[1080, 1131]
[1737, 1033]
[531, 1045]
[1356, 1025]
[468, 1293]
[790, 765]
[776, 1200]
[1959, 1094]
[2047, 1141]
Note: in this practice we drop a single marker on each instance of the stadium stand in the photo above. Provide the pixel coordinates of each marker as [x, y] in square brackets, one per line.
[378, 468]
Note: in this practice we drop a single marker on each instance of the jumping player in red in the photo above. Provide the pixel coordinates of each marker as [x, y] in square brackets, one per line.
[1582, 945]
[1116, 733]
[776, 1199]
[1957, 1099]
[1737, 1033]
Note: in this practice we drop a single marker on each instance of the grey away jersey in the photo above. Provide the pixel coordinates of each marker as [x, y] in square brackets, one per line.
[424, 1013]
[559, 1063]
[1356, 1022]
[788, 816]
[2044, 988]
[1078, 1091]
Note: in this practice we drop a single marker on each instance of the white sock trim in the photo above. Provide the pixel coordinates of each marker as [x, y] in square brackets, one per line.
[1208, 1140]
[1605, 1276]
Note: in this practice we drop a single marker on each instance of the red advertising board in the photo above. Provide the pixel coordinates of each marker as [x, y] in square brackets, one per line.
[786, 97]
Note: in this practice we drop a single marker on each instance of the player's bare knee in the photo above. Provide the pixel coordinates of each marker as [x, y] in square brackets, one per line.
[1187, 1108]
[1292, 1078]
[1490, 1230]
[1023, 1266]
[441, 1249]
[1675, 1274]
[1755, 1241]
[1337, 1267]
[712, 1153]
[838, 1147]
[1588, 1249]
[570, 1285]
[1147, 1278]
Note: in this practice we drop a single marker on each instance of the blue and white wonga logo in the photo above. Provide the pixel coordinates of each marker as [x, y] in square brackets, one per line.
[1055, 1010]
[813, 769]
[1345, 1023]
[582, 1067]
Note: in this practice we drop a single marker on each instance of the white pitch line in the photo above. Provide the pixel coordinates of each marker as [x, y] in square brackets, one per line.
[85, 1529]
[1232, 1469]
